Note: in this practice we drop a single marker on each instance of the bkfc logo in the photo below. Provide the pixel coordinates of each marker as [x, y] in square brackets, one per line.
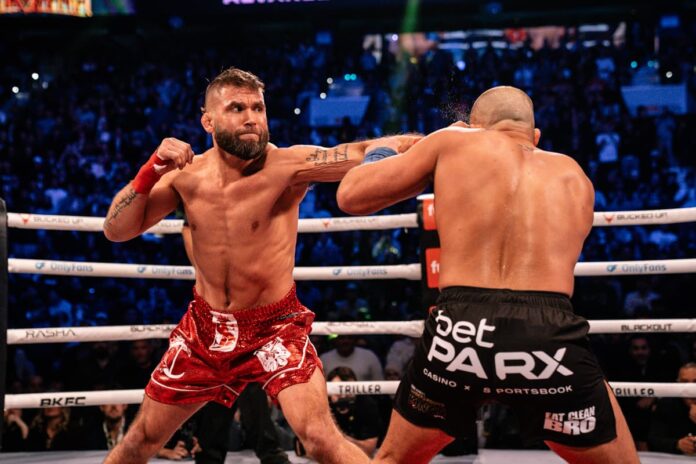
[506, 362]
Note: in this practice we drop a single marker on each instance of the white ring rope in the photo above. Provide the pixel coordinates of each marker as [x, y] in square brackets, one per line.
[631, 218]
[340, 224]
[408, 328]
[174, 226]
[98, 398]
[150, 271]
[399, 271]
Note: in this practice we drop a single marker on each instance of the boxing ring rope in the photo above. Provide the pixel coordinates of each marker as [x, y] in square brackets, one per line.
[386, 387]
[342, 224]
[397, 271]
[174, 226]
[409, 328]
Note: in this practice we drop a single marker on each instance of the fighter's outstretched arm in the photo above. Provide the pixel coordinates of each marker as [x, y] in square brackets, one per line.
[373, 186]
[149, 197]
[309, 163]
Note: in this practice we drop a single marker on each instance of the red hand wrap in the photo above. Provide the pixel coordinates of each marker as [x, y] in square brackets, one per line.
[149, 174]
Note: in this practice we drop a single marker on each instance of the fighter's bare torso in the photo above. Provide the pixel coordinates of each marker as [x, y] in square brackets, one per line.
[244, 229]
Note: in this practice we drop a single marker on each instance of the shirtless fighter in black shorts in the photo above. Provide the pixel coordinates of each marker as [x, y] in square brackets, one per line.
[512, 220]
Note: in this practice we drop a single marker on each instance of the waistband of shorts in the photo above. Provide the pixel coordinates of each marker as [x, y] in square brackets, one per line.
[506, 296]
[289, 303]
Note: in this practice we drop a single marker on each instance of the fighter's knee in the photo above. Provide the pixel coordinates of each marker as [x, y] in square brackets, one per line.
[144, 439]
[316, 439]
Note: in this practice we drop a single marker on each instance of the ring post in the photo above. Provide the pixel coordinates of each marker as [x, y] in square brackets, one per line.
[429, 251]
[3, 306]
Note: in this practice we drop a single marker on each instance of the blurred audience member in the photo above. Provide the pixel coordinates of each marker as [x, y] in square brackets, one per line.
[673, 425]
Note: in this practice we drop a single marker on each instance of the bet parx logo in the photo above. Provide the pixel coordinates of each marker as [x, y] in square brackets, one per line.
[337, 271]
[611, 268]
[449, 346]
[141, 269]
[40, 265]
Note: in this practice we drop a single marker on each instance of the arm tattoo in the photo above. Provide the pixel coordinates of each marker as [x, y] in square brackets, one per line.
[322, 156]
[122, 204]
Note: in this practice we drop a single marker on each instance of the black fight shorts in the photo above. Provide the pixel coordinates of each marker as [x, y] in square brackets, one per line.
[527, 350]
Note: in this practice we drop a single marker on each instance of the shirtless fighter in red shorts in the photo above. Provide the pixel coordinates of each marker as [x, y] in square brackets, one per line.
[245, 323]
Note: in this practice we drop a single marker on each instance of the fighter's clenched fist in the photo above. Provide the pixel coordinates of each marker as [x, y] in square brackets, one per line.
[175, 153]
[172, 153]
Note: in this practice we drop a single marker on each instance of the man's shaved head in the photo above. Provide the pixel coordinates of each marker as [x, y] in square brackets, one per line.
[501, 104]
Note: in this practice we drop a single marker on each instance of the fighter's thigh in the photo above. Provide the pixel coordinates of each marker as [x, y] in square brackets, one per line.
[408, 443]
[156, 422]
[307, 404]
[620, 450]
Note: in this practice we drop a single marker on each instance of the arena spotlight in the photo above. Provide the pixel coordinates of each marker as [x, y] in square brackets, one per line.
[35, 76]
[322, 95]
[297, 111]
[15, 89]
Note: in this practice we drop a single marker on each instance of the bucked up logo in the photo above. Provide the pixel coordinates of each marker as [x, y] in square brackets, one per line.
[506, 362]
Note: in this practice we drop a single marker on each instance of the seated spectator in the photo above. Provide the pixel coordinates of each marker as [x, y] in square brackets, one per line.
[673, 425]
[182, 445]
[52, 430]
[363, 362]
[400, 353]
[640, 366]
[109, 430]
[135, 373]
[356, 416]
[14, 431]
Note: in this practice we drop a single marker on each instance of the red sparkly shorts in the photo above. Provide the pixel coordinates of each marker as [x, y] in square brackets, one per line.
[213, 355]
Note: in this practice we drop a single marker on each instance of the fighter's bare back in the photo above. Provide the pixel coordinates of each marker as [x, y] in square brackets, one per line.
[508, 214]
[524, 213]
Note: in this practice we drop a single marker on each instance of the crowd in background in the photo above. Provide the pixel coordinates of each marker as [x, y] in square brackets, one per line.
[71, 138]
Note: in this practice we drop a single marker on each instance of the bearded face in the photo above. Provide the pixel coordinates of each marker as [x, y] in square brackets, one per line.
[238, 143]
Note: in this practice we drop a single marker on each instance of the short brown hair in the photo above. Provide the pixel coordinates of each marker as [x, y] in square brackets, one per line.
[345, 373]
[234, 77]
